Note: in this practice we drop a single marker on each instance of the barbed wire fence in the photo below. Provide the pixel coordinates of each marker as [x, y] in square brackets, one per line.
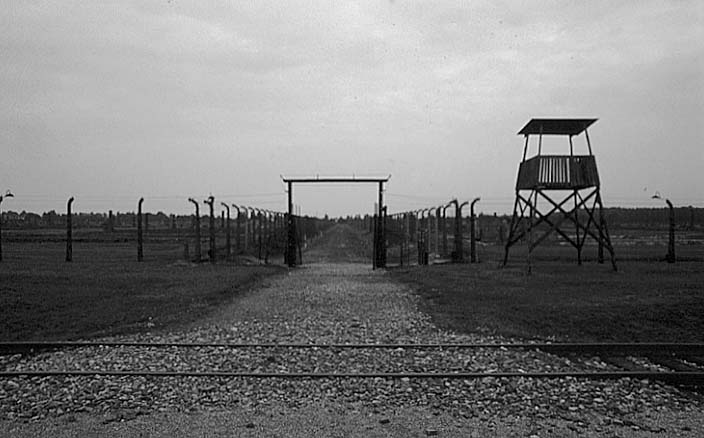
[448, 232]
[253, 234]
[248, 232]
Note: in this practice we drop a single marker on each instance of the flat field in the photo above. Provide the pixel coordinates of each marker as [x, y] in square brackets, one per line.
[646, 300]
[105, 291]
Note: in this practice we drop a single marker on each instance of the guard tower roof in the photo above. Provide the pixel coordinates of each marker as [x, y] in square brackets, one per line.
[556, 126]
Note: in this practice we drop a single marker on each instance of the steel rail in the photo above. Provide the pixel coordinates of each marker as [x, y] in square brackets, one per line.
[689, 378]
[547, 347]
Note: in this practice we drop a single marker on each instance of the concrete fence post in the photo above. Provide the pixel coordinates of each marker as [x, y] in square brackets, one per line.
[228, 241]
[69, 231]
[472, 238]
[671, 240]
[111, 222]
[7, 195]
[211, 201]
[140, 237]
[197, 229]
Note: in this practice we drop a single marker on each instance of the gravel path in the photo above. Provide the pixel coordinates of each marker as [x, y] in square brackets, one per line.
[331, 303]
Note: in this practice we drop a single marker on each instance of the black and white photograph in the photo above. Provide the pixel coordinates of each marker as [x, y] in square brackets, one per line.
[353, 218]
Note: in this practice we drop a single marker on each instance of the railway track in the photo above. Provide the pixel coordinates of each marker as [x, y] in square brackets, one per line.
[673, 363]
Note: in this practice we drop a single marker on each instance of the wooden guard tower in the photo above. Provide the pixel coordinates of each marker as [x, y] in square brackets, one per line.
[569, 188]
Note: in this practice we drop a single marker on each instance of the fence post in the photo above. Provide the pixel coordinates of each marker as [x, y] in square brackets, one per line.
[432, 226]
[671, 240]
[241, 239]
[399, 219]
[375, 245]
[670, 257]
[420, 237]
[384, 212]
[459, 256]
[197, 226]
[472, 243]
[456, 230]
[265, 235]
[438, 211]
[111, 222]
[301, 230]
[444, 230]
[140, 239]
[278, 230]
[458, 233]
[427, 236]
[69, 231]
[237, 229]
[7, 195]
[420, 232]
[228, 240]
[252, 227]
[260, 230]
[210, 201]
[283, 231]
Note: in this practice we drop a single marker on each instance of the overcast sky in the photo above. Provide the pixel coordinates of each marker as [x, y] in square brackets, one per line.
[110, 101]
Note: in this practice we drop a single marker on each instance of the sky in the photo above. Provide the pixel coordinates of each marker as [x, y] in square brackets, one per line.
[111, 101]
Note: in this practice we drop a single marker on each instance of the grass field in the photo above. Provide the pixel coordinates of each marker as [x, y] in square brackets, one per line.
[643, 301]
[104, 291]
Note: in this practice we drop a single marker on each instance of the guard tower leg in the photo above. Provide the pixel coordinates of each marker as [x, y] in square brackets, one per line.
[531, 210]
[511, 229]
[604, 232]
[600, 250]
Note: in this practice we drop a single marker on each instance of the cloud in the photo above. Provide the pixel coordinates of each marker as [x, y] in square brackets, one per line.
[177, 94]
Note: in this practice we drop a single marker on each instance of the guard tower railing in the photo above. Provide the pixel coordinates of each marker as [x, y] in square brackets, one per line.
[558, 172]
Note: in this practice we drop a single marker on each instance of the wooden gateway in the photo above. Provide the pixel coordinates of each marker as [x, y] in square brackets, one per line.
[569, 188]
